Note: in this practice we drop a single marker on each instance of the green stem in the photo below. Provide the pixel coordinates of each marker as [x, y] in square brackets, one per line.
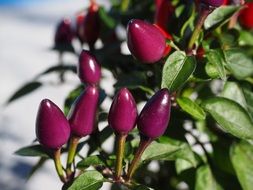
[133, 166]
[121, 139]
[58, 165]
[71, 154]
[202, 17]
[61, 74]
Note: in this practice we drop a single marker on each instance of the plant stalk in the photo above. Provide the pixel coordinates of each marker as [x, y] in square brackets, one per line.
[58, 165]
[204, 12]
[134, 164]
[71, 154]
[121, 139]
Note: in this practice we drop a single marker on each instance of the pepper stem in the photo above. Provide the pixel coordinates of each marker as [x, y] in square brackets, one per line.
[204, 12]
[58, 165]
[71, 154]
[134, 164]
[121, 139]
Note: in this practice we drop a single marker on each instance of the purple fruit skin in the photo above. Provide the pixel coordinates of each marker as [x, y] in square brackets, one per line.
[123, 112]
[154, 117]
[213, 3]
[145, 41]
[89, 70]
[52, 127]
[91, 27]
[82, 115]
[64, 33]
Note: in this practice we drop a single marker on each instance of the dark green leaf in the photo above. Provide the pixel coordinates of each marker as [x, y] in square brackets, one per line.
[37, 166]
[240, 65]
[95, 160]
[106, 19]
[242, 158]
[34, 150]
[230, 116]
[24, 90]
[90, 180]
[216, 57]
[131, 80]
[249, 101]
[59, 68]
[177, 69]
[220, 15]
[205, 179]
[72, 96]
[191, 108]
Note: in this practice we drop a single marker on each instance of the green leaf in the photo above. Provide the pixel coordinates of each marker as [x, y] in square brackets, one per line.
[90, 180]
[249, 101]
[220, 15]
[59, 68]
[24, 90]
[37, 166]
[242, 158]
[246, 38]
[234, 92]
[72, 96]
[211, 70]
[205, 179]
[107, 19]
[34, 150]
[177, 69]
[239, 64]
[216, 57]
[182, 165]
[170, 150]
[230, 116]
[191, 108]
[95, 160]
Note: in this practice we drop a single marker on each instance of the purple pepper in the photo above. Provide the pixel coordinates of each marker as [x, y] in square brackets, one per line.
[82, 114]
[213, 3]
[123, 112]
[154, 117]
[145, 41]
[92, 25]
[89, 70]
[64, 33]
[52, 128]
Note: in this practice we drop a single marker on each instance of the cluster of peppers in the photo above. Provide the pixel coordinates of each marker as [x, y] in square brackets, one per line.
[147, 43]
[53, 129]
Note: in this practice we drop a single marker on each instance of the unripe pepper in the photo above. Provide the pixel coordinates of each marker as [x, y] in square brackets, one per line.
[89, 70]
[145, 41]
[154, 117]
[64, 33]
[123, 112]
[52, 128]
[92, 25]
[246, 16]
[82, 114]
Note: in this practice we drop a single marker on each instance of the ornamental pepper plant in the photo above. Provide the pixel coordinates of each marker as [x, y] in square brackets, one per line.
[181, 111]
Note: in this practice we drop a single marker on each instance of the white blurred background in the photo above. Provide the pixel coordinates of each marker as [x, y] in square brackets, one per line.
[26, 36]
